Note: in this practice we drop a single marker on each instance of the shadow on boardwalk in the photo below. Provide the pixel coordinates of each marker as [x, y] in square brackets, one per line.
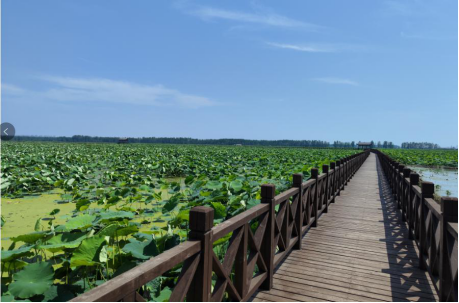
[402, 253]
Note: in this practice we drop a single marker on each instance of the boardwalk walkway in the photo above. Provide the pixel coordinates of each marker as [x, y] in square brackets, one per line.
[360, 251]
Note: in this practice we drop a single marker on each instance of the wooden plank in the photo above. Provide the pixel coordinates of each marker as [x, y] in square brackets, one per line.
[374, 286]
[366, 275]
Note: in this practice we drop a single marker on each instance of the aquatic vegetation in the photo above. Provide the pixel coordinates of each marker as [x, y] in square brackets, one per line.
[128, 203]
[445, 158]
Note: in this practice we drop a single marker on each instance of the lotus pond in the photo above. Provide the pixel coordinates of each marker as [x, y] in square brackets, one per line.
[76, 215]
[437, 166]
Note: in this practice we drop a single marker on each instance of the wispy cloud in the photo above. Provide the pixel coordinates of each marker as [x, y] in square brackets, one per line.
[319, 47]
[332, 80]
[66, 89]
[11, 89]
[261, 16]
[310, 48]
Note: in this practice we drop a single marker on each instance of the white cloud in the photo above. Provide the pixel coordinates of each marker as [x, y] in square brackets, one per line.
[332, 80]
[261, 17]
[106, 90]
[310, 48]
[320, 47]
[11, 89]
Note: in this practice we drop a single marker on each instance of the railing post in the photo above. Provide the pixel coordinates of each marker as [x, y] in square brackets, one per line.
[297, 182]
[327, 190]
[405, 194]
[201, 223]
[346, 170]
[427, 189]
[399, 185]
[268, 192]
[394, 180]
[338, 177]
[333, 187]
[414, 181]
[449, 214]
[315, 175]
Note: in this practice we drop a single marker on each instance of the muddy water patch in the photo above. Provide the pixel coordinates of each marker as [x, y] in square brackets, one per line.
[445, 180]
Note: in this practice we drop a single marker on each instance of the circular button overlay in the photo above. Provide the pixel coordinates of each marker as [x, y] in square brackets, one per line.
[8, 131]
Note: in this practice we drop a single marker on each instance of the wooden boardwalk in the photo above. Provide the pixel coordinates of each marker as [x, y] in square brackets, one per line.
[360, 251]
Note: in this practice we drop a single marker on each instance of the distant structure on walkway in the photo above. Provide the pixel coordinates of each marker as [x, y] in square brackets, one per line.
[364, 145]
[123, 140]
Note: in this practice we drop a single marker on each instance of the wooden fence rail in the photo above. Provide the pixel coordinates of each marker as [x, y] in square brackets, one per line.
[432, 226]
[259, 239]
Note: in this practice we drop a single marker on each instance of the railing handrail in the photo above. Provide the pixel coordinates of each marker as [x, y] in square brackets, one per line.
[424, 216]
[138, 276]
[278, 232]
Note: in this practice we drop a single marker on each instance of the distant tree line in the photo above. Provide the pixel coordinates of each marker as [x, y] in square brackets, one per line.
[385, 144]
[339, 144]
[90, 139]
[420, 145]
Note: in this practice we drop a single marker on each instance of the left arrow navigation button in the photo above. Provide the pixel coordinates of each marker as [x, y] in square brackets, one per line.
[8, 131]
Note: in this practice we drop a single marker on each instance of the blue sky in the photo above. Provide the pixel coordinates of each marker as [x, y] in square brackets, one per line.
[327, 70]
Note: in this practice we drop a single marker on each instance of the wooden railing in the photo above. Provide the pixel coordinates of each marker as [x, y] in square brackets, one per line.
[433, 226]
[259, 239]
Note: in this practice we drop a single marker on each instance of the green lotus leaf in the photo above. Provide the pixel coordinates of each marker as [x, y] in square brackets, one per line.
[189, 180]
[8, 255]
[87, 254]
[125, 231]
[141, 250]
[236, 185]
[214, 185]
[63, 241]
[109, 230]
[29, 238]
[82, 204]
[33, 280]
[80, 222]
[252, 203]
[115, 215]
[164, 295]
[170, 205]
[58, 293]
[16, 264]
[220, 210]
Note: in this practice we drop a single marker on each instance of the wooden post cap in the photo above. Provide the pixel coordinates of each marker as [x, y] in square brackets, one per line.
[449, 208]
[314, 172]
[406, 172]
[297, 180]
[401, 167]
[428, 188]
[201, 218]
[332, 165]
[268, 191]
[338, 163]
[414, 178]
[325, 168]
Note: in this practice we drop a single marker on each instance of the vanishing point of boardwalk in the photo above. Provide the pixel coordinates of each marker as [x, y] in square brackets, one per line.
[359, 251]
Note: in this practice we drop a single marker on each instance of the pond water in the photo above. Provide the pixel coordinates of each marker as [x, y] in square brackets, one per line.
[445, 180]
[21, 214]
